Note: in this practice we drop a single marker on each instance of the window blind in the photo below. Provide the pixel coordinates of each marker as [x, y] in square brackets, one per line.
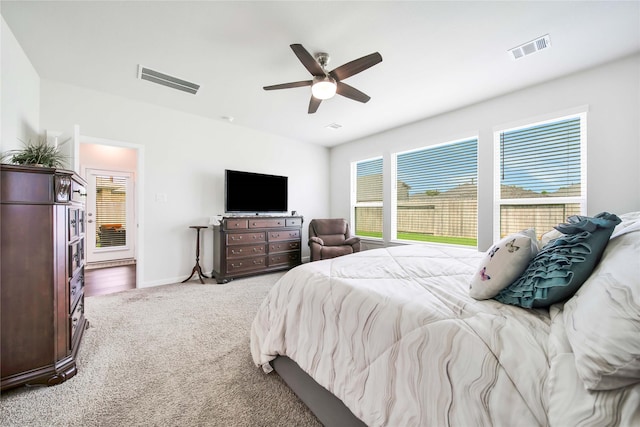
[436, 193]
[111, 215]
[541, 161]
[540, 175]
[368, 212]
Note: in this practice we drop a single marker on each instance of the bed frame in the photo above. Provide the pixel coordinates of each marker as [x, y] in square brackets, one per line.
[329, 409]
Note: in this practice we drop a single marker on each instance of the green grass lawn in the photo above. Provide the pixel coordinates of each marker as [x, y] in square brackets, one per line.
[419, 237]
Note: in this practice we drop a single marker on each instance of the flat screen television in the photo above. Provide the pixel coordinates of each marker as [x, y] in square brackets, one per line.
[248, 192]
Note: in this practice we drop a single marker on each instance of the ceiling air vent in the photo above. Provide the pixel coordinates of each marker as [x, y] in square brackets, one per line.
[167, 80]
[531, 47]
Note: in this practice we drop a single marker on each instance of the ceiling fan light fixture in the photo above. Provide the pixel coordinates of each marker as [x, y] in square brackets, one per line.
[323, 87]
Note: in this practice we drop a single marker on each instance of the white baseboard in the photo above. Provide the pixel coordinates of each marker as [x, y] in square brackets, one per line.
[168, 281]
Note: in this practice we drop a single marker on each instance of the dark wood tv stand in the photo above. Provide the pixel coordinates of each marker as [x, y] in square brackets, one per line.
[248, 245]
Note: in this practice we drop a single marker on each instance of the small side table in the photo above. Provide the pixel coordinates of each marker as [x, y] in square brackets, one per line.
[197, 268]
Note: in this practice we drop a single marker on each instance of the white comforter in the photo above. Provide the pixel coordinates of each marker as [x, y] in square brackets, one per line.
[394, 334]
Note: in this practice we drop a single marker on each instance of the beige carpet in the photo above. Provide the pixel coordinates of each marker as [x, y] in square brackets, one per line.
[175, 355]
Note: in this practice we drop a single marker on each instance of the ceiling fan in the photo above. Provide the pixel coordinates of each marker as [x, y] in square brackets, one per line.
[325, 84]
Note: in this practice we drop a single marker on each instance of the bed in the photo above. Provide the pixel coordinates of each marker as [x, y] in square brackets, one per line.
[392, 337]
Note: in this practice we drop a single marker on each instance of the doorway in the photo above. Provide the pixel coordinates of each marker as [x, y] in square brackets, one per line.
[113, 173]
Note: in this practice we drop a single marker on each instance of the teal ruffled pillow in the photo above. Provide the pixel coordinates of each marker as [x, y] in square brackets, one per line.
[562, 266]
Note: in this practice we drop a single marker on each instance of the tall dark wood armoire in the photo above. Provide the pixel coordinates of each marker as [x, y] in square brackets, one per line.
[42, 271]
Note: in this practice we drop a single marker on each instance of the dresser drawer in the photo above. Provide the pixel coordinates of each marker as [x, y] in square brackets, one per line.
[245, 251]
[267, 223]
[76, 284]
[293, 222]
[235, 224]
[246, 264]
[245, 238]
[78, 192]
[76, 257]
[275, 236]
[284, 246]
[81, 221]
[74, 224]
[74, 320]
[285, 258]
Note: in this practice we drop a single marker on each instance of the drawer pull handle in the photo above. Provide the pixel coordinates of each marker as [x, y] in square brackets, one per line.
[257, 262]
[235, 252]
[236, 237]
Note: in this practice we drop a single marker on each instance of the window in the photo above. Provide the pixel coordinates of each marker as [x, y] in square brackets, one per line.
[436, 197]
[367, 197]
[541, 175]
[111, 211]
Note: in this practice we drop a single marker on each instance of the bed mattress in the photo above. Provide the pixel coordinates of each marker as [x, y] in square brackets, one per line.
[394, 334]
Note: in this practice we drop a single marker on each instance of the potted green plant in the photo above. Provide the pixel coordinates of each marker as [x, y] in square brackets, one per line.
[35, 154]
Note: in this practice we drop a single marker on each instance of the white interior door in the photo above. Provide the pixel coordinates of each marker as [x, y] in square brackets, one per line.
[110, 215]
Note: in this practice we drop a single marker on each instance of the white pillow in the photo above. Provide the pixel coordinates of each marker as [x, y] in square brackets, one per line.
[629, 222]
[602, 319]
[503, 263]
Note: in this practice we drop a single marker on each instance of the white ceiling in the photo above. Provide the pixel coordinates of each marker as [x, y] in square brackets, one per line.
[437, 56]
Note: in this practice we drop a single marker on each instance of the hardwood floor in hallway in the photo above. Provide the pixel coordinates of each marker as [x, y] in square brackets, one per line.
[101, 281]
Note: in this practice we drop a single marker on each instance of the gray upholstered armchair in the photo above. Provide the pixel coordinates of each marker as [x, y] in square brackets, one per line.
[330, 238]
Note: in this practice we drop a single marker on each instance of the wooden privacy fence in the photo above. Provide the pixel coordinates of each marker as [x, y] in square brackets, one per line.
[438, 218]
[541, 217]
[459, 218]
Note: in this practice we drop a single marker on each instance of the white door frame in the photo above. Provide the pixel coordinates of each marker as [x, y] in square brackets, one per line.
[139, 199]
[126, 251]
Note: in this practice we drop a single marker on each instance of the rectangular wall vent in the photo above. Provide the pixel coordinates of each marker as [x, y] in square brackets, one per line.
[530, 47]
[167, 80]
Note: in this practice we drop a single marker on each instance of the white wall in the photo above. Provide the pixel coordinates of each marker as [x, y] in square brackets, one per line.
[184, 158]
[20, 88]
[95, 156]
[612, 94]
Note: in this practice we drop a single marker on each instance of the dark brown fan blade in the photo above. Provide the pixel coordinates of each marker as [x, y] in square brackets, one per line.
[351, 92]
[314, 103]
[307, 60]
[356, 66]
[289, 85]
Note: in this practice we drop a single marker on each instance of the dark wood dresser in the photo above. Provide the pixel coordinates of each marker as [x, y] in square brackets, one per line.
[42, 270]
[244, 246]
